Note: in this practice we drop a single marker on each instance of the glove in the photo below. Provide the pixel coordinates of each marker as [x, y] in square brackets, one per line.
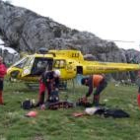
[83, 99]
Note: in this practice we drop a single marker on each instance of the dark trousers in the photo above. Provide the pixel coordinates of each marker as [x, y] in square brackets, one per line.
[97, 92]
[100, 87]
[139, 90]
[1, 85]
[42, 89]
[1, 91]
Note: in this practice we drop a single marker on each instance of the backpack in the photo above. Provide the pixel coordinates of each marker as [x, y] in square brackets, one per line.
[53, 97]
[27, 104]
[116, 113]
[59, 104]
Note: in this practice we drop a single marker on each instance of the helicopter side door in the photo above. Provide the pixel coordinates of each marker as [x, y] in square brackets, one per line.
[67, 68]
[60, 64]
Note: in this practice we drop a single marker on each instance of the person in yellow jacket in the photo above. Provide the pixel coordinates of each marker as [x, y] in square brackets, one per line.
[94, 81]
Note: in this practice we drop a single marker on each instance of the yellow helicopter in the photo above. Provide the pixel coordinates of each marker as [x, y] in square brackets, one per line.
[69, 62]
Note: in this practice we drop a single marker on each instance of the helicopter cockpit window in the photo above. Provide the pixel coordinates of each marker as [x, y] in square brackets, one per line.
[40, 65]
[21, 63]
[59, 63]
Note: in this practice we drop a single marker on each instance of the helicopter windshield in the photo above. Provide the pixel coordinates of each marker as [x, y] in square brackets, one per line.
[21, 63]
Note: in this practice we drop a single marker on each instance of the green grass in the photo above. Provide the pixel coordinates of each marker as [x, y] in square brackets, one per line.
[60, 124]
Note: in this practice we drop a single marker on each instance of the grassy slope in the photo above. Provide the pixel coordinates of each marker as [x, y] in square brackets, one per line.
[61, 125]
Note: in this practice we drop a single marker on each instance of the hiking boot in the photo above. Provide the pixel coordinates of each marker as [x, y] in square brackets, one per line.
[2, 103]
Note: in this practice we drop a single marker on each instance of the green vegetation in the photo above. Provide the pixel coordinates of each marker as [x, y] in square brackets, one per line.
[60, 124]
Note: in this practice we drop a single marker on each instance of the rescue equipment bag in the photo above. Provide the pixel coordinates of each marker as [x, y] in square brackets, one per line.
[53, 97]
[27, 104]
[115, 113]
[59, 104]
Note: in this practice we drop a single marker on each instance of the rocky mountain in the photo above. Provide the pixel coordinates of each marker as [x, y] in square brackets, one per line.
[26, 31]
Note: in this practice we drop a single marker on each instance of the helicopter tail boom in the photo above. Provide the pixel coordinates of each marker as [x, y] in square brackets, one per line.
[102, 67]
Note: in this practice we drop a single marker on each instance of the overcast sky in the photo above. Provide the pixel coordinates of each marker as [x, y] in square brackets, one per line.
[108, 19]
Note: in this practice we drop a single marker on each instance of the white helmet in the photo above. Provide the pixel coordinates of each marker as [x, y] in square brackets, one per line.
[57, 73]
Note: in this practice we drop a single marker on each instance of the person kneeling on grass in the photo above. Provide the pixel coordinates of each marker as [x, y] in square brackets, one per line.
[50, 80]
[94, 81]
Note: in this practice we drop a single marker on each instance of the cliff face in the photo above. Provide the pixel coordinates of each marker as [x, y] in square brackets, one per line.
[24, 30]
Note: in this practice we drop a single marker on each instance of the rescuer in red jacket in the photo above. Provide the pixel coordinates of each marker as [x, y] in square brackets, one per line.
[2, 74]
[95, 81]
[138, 83]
